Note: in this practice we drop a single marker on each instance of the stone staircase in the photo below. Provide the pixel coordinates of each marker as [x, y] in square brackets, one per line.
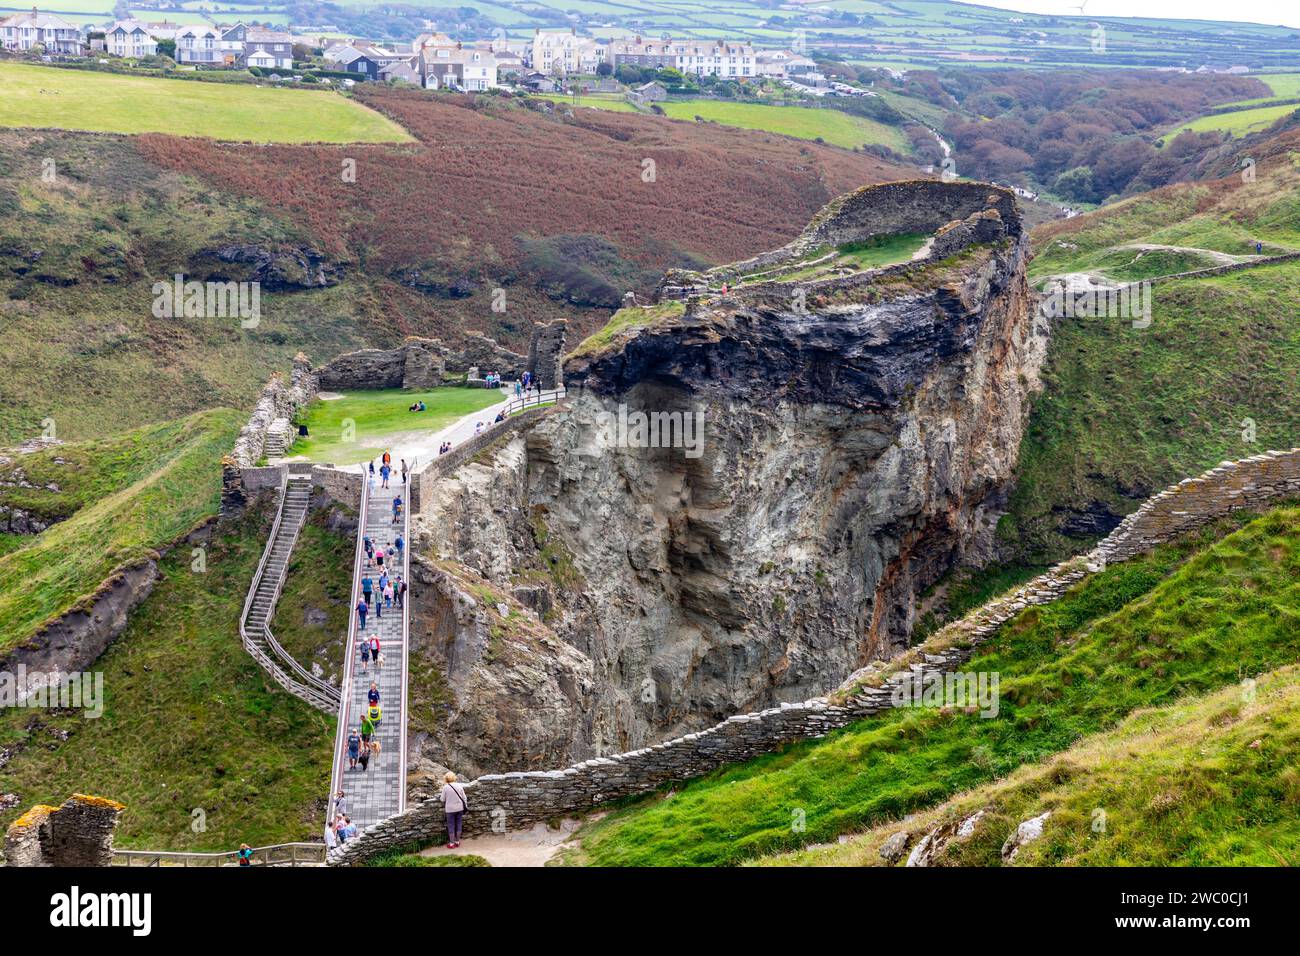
[254, 625]
[279, 436]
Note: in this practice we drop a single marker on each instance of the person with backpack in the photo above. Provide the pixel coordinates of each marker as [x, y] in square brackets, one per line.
[245, 855]
[454, 804]
[399, 545]
[354, 749]
[397, 508]
[362, 610]
[399, 592]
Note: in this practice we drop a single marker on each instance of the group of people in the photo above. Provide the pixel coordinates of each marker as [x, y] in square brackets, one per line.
[363, 744]
[370, 651]
[492, 379]
[417, 406]
[385, 471]
[444, 448]
[339, 828]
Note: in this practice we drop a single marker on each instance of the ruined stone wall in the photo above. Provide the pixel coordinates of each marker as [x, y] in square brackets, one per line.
[546, 353]
[531, 796]
[240, 475]
[78, 833]
[434, 469]
[917, 206]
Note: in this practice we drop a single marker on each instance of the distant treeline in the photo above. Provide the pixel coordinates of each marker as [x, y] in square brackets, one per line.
[1086, 135]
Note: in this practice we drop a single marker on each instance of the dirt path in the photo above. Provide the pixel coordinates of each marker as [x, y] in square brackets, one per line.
[525, 848]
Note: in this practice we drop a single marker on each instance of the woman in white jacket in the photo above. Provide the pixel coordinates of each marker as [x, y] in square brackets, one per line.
[454, 803]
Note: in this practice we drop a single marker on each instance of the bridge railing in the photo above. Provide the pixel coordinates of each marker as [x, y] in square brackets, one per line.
[350, 650]
[311, 689]
[280, 854]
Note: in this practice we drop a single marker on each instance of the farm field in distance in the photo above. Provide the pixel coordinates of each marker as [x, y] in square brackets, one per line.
[1238, 122]
[42, 97]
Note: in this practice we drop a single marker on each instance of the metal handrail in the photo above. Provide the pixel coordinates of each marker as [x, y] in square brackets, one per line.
[406, 640]
[341, 732]
[323, 698]
[313, 853]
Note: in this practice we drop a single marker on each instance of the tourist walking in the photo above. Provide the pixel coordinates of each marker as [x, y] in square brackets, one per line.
[365, 655]
[383, 474]
[388, 595]
[397, 508]
[367, 586]
[454, 804]
[400, 592]
[372, 695]
[340, 803]
[354, 749]
[361, 613]
[245, 855]
[403, 471]
[399, 545]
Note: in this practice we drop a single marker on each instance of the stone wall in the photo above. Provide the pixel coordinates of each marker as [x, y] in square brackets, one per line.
[279, 399]
[78, 833]
[433, 470]
[520, 799]
[956, 213]
[546, 353]
[420, 363]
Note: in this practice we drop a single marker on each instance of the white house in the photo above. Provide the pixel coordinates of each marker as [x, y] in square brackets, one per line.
[457, 68]
[22, 31]
[563, 51]
[129, 38]
[702, 58]
[199, 44]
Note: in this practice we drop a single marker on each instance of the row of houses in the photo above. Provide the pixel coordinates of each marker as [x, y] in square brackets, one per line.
[234, 46]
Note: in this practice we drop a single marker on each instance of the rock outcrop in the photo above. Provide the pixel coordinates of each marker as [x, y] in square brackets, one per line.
[859, 430]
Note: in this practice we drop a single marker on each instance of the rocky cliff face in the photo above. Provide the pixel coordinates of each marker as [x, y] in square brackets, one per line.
[859, 428]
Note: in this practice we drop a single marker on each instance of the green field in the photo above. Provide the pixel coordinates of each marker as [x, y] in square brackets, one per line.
[1237, 123]
[351, 429]
[1180, 785]
[592, 101]
[829, 125]
[1190, 618]
[142, 490]
[48, 97]
[190, 721]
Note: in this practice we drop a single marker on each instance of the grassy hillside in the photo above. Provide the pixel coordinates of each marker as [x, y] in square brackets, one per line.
[79, 99]
[138, 492]
[1207, 782]
[418, 245]
[1190, 618]
[190, 721]
[1126, 410]
[1237, 122]
[827, 125]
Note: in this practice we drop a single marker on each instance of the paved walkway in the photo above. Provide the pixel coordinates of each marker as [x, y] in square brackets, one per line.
[379, 791]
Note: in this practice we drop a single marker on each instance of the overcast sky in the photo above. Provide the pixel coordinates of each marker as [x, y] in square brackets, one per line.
[1286, 12]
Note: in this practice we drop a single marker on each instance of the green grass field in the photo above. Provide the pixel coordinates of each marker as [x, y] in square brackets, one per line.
[351, 429]
[190, 721]
[828, 125]
[591, 101]
[147, 488]
[1238, 123]
[78, 99]
[1190, 618]
[1208, 782]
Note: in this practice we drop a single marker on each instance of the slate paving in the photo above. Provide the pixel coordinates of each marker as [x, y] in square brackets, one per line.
[375, 793]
